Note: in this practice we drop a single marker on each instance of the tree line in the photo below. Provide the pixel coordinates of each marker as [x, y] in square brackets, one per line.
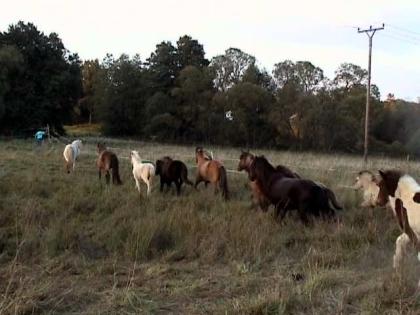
[178, 95]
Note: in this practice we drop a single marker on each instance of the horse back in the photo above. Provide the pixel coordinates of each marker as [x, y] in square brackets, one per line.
[210, 170]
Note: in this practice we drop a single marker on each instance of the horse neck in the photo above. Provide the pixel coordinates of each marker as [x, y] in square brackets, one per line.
[201, 160]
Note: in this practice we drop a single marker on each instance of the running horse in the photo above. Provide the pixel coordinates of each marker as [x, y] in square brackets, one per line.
[107, 160]
[403, 194]
[258, 197]
[211, 171]
[305, 196]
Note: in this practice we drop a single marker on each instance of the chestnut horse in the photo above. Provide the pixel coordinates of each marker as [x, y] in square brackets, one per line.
[211, 171]
[258, 198]
[291, 193]
[107, 160]
[172, 171]
[403, 194]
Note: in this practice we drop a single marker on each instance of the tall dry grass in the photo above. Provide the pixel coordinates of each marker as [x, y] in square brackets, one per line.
[70, 244]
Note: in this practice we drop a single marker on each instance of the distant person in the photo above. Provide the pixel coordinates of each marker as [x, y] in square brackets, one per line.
[39, 137]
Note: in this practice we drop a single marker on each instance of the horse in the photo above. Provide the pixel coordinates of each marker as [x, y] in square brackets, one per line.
[172, 171]
[212, 171]
[71, 152]
[258, 198]
[365, 181]
[107, 160]
[403, 194]
[287, 193]
[144, 170]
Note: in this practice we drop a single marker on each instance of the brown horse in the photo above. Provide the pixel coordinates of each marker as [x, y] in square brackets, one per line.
[211, 171]
[286, 193]
[258, 198]
[172, 171]
[107, 160]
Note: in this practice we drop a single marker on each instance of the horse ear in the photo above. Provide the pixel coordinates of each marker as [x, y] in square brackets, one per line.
[382, 173]
[416, 197]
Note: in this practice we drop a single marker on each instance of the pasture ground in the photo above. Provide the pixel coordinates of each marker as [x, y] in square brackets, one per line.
[71, 245]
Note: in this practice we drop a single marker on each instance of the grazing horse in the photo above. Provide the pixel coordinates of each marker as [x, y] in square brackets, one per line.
[144, 170]
[258, 198]
[107, 160]
[286, 193]
[71, 152]
[172, 171]
[365, 181]
[403, 194]
[211, 171]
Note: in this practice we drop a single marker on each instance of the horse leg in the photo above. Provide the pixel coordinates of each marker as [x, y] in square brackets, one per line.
[178, 184]
[99, 175]
[137, 184]
[280, 212]
[402, 244]
[74, 164]
[107, 177]
[149, 189]
[198, 180]
[161, 184]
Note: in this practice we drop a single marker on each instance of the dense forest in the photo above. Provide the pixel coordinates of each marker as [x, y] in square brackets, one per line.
[178, 95]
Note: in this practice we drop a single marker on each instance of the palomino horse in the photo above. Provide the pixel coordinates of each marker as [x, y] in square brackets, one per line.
[172, 171]
[107, 160]
[403, 194]
[258, 198]
[365, 181]
[71, 152]
[144, 170]
[211, 171]
[291, 193]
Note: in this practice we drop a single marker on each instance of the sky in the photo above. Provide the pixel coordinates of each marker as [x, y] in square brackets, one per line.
[323, 32]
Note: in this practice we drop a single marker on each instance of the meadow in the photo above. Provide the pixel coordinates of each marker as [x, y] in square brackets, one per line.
[71, 245]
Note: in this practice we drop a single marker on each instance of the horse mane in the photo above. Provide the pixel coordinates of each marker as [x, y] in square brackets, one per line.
[366, 172]
[390, 179]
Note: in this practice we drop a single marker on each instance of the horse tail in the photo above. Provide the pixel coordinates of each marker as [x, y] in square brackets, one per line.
[115, 172]
[223, 183]
[332, 198]
[184, 175]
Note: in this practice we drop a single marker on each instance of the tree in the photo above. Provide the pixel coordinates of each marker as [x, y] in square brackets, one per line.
[302, 74]
[48, 85]
[90, 73]
[349, 75]
[190, 52]
[163, 67]
[229, 68]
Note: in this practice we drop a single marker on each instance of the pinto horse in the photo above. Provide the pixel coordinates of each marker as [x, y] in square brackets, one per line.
[211, 171]
[287, 193]
[258, 197]
[144, 170]
[403, 194]
[172, 171]
[107, 160]
[71, 152]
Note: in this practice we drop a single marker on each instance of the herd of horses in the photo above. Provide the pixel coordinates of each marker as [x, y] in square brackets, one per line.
[278, 186]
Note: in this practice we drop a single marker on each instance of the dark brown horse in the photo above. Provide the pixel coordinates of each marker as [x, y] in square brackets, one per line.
[211, 171]
[286, 193]
[172, 171]
[258, 197]
[107, 160]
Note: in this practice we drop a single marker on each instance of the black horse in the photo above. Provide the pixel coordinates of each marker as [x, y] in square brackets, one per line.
[287, 193]
[172, 171]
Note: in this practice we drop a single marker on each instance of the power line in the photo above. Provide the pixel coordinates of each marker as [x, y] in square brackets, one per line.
[370, 32]
[403, 29]
[401, 39]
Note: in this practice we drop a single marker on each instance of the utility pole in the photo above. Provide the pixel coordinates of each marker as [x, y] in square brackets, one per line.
[369, 32]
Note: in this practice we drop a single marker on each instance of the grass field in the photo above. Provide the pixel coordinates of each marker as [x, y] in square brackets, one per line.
[71, 245]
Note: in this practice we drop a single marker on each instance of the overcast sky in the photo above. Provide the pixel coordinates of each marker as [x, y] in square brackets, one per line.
[323, 32]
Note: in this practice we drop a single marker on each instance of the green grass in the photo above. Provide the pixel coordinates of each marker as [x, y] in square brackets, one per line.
[69, 244]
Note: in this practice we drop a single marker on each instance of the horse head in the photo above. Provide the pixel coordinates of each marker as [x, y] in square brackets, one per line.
[387, 182]
[100, 146]
[245, 160]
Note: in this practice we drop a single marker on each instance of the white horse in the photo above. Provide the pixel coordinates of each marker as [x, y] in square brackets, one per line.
[71, 152]
[403, 193]
[142, 170]
[365, 181]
